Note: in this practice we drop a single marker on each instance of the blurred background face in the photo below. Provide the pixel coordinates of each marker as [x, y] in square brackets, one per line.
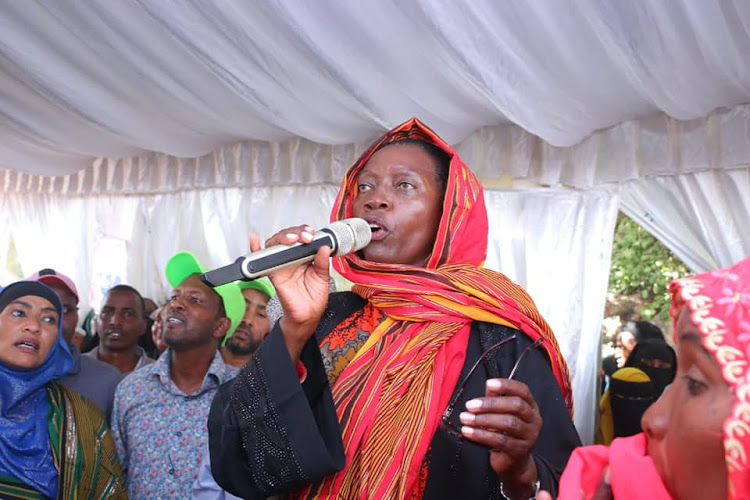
[121, 320]
[254, 326]
[623, 347]
[156, 329]
[28, 330]
[70, 310]
[150, 306]
[684, 427]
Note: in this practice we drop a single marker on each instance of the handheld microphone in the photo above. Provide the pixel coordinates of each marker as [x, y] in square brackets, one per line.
[343, 236]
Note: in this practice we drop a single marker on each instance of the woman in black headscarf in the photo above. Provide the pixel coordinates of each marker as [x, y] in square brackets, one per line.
[656, 359]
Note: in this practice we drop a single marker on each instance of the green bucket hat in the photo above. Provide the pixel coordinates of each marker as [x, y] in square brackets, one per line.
[183, 264]
[261, 284]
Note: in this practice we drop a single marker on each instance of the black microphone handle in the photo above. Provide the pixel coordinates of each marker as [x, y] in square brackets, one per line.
[344, 236]
[268, 260]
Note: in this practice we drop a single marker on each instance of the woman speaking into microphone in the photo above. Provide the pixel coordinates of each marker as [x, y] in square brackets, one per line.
[432, 378]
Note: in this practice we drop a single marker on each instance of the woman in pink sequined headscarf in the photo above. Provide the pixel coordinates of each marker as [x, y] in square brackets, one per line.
[696, 437]
[699, 432]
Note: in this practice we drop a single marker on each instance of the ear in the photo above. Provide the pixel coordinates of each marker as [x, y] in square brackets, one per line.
[222, 327]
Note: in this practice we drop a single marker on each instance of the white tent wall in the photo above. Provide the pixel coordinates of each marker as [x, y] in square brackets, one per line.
[703, 217]
[97, 239]
[554, 242]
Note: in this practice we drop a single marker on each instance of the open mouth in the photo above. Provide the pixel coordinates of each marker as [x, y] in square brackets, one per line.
[173, 320]
[27, 345]
[378, 230]
[241, 334]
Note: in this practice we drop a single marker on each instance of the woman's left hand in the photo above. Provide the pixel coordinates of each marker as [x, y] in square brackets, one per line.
[507, 421]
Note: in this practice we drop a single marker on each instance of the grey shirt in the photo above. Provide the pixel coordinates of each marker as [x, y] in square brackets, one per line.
[143, 359]
[95, 380]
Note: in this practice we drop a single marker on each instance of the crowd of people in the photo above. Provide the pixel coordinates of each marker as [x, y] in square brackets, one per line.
[137, 419]
[432, 378]
[645, 365]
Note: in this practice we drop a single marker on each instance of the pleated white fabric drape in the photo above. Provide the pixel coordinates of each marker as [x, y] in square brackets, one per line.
[651, 146]
[703, 217]
[71, 234]
[82, 80]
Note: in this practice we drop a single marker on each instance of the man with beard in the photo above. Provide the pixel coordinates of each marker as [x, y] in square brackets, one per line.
[160, 411]
[240, 347]
[120, 324]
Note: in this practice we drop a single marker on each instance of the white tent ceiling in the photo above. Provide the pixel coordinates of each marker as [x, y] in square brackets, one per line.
[131, 129]
[120, 78]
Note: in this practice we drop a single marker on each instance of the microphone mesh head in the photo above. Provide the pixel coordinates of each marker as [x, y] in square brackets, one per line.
[351, 235]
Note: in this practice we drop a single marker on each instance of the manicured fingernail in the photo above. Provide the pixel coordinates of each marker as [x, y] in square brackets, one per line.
[291, 236]
[306, 235]
[467, 431]
[466, 417]
[474, 404]
[494, 383]
[309, 229]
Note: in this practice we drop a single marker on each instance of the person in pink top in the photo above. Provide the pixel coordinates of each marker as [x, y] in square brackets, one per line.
[696, 437]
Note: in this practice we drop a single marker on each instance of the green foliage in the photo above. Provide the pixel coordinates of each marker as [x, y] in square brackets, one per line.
[641, 265]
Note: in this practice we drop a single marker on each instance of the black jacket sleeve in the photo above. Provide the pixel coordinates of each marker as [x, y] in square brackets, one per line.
[269, 433]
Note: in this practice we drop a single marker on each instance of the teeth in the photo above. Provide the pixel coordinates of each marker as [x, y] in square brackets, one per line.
[374, 227]
[28, 344]
[175, 321]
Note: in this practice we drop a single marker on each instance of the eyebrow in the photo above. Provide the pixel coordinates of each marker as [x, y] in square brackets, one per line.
[398, 170]
[251, 302]
[113, 308]
[189, 291]
[697, 340]
[28, 306]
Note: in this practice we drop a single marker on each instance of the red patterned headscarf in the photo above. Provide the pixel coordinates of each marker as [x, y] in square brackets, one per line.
[390, 397]
[719, 304]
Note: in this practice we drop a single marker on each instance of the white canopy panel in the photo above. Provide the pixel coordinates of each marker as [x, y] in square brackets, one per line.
[117, 79]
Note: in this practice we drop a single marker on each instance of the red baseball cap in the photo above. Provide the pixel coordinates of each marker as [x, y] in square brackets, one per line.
[49, 276]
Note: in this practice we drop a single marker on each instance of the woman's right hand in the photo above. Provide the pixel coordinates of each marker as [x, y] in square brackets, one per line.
[302, 289]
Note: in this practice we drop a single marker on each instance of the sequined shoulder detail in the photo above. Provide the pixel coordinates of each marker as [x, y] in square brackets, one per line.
[264, 437]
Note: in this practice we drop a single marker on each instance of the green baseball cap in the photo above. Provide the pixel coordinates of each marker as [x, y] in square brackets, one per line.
[261, 284]
[184, 264]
